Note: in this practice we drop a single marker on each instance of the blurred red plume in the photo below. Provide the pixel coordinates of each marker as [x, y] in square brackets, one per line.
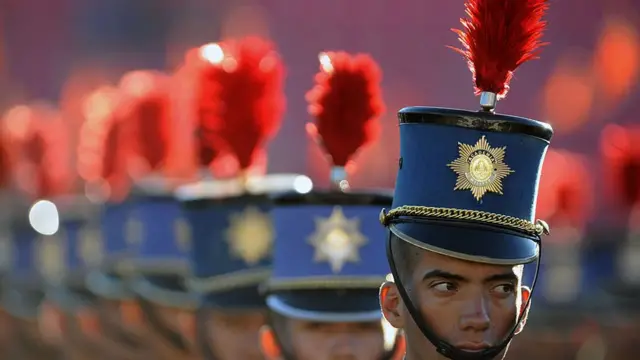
[620, 149]
[347, 103]
[6, 163]
[241, 98]
[146, 108]
[497, 37]
[38, 136]
[565, 190]
[104, 147]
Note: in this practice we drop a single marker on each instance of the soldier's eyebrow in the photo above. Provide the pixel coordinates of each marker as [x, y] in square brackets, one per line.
[441, 274]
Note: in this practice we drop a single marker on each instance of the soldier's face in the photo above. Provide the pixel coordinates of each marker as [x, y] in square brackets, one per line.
[470, 305]
[234, 334]
[332, 341]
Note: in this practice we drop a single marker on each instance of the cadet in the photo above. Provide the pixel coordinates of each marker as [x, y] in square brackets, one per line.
[102, 165]
[328, 267]
[462, 221]
[23, 294]
[232, 235]
[159, 235]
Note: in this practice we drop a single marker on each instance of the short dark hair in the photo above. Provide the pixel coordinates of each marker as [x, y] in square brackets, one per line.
[405, 257]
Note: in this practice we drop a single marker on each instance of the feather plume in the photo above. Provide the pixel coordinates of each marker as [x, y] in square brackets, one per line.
[565, 191]
[103, 146]
[147, 111]
[347, 103]
[620, 148]
[241, 98]
[6, 164]
[497, 37]
[40, 139]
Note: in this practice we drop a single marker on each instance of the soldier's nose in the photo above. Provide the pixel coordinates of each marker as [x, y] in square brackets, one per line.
[475, 315]
[343, 348]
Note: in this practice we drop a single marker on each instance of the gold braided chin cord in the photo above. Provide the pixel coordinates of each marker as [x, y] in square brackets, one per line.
[538, 228]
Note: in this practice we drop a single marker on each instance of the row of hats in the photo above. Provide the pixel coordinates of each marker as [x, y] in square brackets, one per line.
[214, 78]
[150, 214]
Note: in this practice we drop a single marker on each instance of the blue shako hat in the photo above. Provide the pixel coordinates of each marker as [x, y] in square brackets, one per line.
[231, 253]
[466, 188]
[64, 258]
[108, 254]
[469, 175]
[328, 262]
[22, 281]
[160, 241]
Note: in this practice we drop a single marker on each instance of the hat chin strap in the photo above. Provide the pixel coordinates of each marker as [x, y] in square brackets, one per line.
[442, 346]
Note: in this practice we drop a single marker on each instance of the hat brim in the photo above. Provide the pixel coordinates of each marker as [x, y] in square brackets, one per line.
[470, 242]
[240, 298]
[108, 286]
[327, 305]
[165, 291]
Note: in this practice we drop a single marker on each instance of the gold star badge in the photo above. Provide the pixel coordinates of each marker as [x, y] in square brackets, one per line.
[250, 235]
[480, 168]
[91, 247]
[337, 240]
[6, 252]
[182, 234]
[50, 257]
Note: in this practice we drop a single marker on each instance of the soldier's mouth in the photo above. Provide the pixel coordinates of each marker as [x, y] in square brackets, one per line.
[472, 346]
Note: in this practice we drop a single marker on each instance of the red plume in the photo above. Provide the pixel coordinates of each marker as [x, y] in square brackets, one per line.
[621, 152]
[6, 164]
[147, 111]
[197, 88]
[497, 37]
[346, 102]
[103, 147]
[241, 98]
[565, 190]
[40, 137]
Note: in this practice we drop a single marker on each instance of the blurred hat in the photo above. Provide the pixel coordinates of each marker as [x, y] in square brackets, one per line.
[232, 233]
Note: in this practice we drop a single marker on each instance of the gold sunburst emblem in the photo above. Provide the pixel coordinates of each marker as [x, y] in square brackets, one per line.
[182, 233]
[480, 168]
[6, 252]
[50, 257]
[337, 240]
[250, 235]
[91, 249]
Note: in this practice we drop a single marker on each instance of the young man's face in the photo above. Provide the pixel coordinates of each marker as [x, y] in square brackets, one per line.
[309, 340]
[234, 335]
[470, 305]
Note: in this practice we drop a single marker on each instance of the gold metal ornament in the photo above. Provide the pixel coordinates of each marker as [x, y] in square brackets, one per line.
[480, 168]
[91, 247]
[134, 231]
[250, 235]
[182, 233]
[6, 251]
[50, 257]
[337, 240]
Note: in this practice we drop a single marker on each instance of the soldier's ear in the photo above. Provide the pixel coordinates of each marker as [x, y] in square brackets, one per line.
[50, 323]
[268, 344]
[391, 304]
[187, 324]
[131, 313]
[524, 311]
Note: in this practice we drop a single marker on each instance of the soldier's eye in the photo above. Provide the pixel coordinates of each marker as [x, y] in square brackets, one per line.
[504, 289]
[445, 287]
